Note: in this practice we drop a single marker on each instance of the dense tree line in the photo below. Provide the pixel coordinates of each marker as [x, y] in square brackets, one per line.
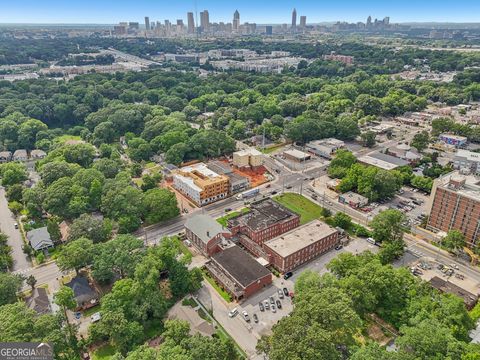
[332, 310]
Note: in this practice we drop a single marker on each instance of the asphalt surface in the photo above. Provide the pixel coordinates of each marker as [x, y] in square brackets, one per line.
[7, 221]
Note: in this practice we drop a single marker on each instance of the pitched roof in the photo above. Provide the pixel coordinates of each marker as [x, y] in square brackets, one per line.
[241, 266]
[205, 227]
[39, 238]
[82, 290]
[39, 301]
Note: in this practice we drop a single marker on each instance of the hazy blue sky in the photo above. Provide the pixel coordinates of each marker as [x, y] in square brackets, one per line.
[259, 11]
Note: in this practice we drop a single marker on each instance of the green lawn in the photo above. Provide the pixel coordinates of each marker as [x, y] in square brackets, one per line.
[106, 352]
[226, 296]
[307, 210]
[64, 138]
[223, 220]
[91, 311]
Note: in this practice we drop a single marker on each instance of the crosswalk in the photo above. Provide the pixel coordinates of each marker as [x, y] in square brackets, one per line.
[22, 271]
[416, 252]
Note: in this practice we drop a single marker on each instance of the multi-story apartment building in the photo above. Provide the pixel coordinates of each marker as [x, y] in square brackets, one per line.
[200, 184]
[265, 220]
[455, 204]
[205, 233]
[290, 250]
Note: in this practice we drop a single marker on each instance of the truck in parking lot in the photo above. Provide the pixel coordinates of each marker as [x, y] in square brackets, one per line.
[248, 194]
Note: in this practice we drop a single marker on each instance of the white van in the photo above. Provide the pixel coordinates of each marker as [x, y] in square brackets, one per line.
[371, 241]
[233, 312]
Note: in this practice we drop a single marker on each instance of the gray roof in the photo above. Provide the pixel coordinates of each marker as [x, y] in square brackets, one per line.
[388, 158]
[241, 266]
[39, 238]
[39, 301]
[202, 224]
[20, 153]
[82, 290]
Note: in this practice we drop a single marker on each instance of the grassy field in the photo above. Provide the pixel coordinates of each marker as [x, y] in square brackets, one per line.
[307, 210]
[226, 296]
[223, 220]
[106, 352]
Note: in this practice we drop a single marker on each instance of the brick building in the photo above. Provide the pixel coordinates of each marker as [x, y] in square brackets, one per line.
[300, 245]
[238, 273]
[205, 233]
[455, 204]
[265, 220]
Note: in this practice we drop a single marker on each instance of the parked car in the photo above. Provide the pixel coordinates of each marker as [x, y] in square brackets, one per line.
[260, 306]
[228, 209]
[16, 225]
[371, 241]
[339, 247]
[233, 312]
[255, 318]
[288, 187]
[266, 304]
[95, 317]
[273, 308]
[288, 275]
[272, 300]
[245, 316]
[268, 186]
[273, 192]
[280, 294]
[285, 291]
[279, 304]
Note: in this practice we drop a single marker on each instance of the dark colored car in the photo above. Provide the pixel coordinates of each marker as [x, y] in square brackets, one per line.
[228, 209]
[285, 291]
[272, 300]
[255, 318]
[273, 192]
[260, 305]
[279, 304]
[288, 275]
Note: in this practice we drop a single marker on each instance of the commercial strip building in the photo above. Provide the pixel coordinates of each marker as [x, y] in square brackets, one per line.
[296, 155]
[205, 233]
[455, 140]
[325, 148]
[238, 273]
[353, 199]
[443, 286]
[300, 245]
[455, 204]
[200, 184]
[382, 161]
[405, 152]
[467, 161]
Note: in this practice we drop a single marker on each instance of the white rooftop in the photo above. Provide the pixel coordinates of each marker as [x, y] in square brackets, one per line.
[201, 168]
[299, 238]
[296, 153]
[249, 151]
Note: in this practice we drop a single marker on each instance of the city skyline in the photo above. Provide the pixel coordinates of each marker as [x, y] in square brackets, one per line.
[266, 12]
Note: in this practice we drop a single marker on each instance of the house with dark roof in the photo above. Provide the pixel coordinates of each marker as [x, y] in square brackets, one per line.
[238, 273]
[84, 294]
[469, 299]
[39, 239]
[205, 233]
[39, 301]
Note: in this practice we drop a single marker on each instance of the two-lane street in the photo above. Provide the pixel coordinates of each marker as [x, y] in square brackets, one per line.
[7, 226]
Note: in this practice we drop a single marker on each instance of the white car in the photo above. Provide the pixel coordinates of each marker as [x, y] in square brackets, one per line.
[245, 316]
[95, 317]
[233, 312]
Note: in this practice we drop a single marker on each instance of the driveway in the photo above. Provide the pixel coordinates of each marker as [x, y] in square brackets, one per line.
[7, 221]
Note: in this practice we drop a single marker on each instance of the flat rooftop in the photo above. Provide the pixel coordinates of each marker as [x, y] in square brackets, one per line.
[383, 161]
[299, 238]
[241, 266]
[263, 214]
[297, 154]
[450, 288]
[470, 184]
[249, 151]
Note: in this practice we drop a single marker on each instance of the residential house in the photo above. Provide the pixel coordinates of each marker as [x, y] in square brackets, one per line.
[39, 301]
[5, 156]
[20, 155]
[84, 294]
[39, 239]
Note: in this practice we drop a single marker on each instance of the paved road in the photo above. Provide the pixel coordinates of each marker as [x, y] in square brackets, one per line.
[7, 220]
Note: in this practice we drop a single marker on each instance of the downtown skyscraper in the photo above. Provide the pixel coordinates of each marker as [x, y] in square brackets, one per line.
[294, 19]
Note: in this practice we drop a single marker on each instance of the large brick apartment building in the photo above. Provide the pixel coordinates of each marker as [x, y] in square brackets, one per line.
[300, 245]
[265, 220]
[455, 204]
